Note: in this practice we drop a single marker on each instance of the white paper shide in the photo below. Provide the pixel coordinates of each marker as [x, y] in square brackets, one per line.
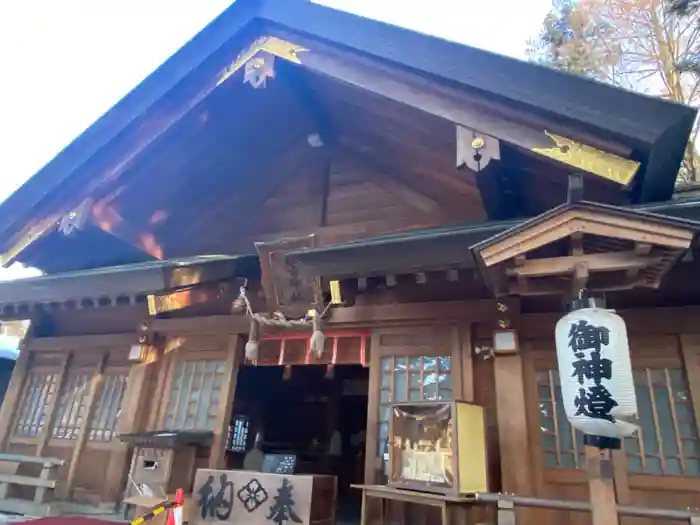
[595, 371]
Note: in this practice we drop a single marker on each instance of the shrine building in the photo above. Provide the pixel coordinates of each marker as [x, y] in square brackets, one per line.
[304, 216]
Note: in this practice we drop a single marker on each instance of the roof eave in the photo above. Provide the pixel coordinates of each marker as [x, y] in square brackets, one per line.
[622, 113]
[127, 280]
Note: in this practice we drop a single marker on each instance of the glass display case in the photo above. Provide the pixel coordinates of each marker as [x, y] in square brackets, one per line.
[438, 447]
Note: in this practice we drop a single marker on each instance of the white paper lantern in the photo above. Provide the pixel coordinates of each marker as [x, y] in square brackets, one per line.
[597, 385]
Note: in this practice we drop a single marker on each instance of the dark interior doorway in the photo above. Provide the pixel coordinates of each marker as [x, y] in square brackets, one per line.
[315, 413]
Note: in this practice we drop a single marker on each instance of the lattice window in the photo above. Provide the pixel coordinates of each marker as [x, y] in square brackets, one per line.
[70, 413]
[410, 379]
[109, 403]
[667, 442]
[195, 393]
[36, 398]
[560, 446]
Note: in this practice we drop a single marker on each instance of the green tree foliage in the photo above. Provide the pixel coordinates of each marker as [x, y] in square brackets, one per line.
[571, 41]
[689, 10]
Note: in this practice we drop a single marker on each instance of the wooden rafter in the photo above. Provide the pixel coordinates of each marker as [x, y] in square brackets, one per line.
[595, 262]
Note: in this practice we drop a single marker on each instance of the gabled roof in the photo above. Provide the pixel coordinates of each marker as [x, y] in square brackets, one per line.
[655, 130]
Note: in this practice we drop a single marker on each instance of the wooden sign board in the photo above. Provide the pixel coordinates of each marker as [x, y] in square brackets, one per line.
[255, 498]
[287, 288]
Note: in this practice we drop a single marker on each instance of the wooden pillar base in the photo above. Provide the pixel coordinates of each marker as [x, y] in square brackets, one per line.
[601, 484]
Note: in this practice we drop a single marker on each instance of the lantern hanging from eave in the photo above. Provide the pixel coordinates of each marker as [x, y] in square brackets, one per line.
[595, 371]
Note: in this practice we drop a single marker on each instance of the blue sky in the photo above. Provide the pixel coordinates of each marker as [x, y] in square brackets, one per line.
[65, 62]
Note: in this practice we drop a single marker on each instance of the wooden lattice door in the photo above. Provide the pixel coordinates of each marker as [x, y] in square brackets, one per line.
[407, 364]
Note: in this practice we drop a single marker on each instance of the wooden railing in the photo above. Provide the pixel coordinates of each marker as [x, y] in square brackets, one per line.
[507, 503]
[456, 509]
[44, 484]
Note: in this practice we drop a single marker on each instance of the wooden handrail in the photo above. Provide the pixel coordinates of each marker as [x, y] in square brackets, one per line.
[16, 458]
[507, 502]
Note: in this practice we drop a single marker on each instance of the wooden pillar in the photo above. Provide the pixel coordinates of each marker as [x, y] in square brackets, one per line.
[84, 433]
[513, 433]
[234, 358]
[45, 434]
[601, 486]
[133, 418]
[372, 463]
[462, 364]
[158, 405]
[13, 396]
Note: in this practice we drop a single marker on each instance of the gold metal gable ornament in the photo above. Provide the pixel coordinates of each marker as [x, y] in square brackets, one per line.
[258, 60]
[587, 158]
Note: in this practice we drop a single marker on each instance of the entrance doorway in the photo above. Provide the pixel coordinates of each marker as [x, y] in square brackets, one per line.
[316, 415]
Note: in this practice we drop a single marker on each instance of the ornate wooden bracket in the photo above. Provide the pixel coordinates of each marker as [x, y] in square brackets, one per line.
[584, 245]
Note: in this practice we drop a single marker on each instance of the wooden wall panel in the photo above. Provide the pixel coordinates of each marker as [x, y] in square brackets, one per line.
[114, 320]
[650, 351]
[360, 202]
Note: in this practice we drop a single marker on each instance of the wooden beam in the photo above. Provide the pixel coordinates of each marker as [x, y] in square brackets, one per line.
[640, 321]
[595, 262]
[475, 311]
[84, 433]
[533, 288]
[234, 358]
[82, 342]
[221, 324]
[180, 299]
[52, 409]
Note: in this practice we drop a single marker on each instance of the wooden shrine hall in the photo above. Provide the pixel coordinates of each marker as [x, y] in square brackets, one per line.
[304, 217]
